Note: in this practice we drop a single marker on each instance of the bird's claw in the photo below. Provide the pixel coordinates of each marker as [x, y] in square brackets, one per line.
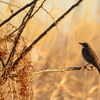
[92, 68]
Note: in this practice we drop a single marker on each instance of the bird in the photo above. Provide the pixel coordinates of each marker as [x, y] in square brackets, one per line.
[90, 56]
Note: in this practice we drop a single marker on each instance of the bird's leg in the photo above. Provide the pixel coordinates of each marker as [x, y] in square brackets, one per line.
[92, 68]
[86, 65]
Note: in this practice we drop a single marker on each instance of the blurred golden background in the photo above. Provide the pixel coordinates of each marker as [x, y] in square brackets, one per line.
[60, 48]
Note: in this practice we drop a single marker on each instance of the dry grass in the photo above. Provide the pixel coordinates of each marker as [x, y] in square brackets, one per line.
[60, 49]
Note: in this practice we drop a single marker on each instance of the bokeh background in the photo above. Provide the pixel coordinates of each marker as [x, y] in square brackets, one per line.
[59, 48]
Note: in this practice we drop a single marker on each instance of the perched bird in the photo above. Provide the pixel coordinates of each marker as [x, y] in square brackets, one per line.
[89, 55]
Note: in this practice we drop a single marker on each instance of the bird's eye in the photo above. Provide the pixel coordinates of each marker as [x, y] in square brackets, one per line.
[86, 45]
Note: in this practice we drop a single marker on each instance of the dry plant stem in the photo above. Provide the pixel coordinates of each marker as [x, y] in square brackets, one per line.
[12, 33]
[29, 15]
[8, 70]
[25, 20]
[38, 8]
[62, 70]
[14, 14]
[2, 62]
[23, 23]
[29, 48]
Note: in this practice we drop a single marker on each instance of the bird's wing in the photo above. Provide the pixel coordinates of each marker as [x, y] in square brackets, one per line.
[90, 56]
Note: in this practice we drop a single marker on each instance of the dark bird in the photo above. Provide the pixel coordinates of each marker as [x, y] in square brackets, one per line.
[90, 56]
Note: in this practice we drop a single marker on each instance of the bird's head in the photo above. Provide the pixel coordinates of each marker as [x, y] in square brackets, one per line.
[85, 45]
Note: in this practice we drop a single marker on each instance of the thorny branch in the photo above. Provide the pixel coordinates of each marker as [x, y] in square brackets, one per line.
[8, 70]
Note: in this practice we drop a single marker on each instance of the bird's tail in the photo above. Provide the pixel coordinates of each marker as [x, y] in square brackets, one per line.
[98, 68]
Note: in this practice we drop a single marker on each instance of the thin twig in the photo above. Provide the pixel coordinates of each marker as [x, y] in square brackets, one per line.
[62, 70]
[2, 62]
[14, 14]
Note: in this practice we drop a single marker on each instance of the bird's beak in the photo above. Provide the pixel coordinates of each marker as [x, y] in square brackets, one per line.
[81, 43]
